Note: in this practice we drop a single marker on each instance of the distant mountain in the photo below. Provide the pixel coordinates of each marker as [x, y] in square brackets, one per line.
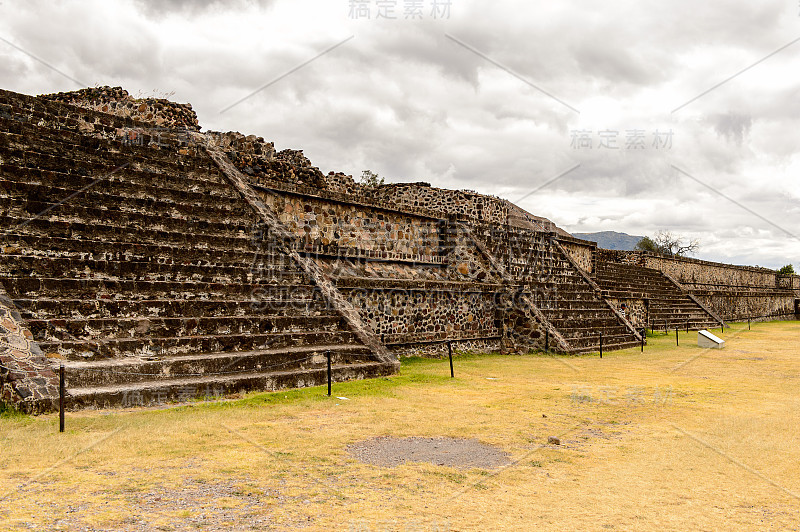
[611, 239]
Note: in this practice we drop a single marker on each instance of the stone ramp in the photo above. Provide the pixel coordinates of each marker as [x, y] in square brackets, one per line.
[151, 382]
[668, 306]
[559, 292]
[143, 270]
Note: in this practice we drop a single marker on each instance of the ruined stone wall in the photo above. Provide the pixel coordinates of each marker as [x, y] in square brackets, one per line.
[582, 252]
[635, 258]
[790, 282]
[416, 313]
[116, 101]
[761, 305]
[351, 229]
[462, 204]
[291, 170]
[695, 274]
[416, 280]
[27, 380]
[635, 311]
[733, 292]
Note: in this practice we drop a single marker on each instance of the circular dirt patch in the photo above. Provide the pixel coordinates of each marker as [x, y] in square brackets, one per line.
[451, 452]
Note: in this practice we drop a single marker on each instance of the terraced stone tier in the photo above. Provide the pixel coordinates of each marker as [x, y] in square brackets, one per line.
[146, 272]
[668, 306]
[211, 377]
[565, 298]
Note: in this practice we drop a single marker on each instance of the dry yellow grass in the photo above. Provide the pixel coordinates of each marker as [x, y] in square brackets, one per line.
[672, 439]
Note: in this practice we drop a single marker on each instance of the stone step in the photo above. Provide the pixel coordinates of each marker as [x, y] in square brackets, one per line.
[661, 316]
[594, 340]
[591, 330]
[586, 314]
[46, 246]
[684, 309]
[112, 181]
[115, 142]
[57, 288]
[622, 293]
[659, 281]
[666, 302]
[163, 221]
[181, 390]
[71, 329]
[604, 266]
[566, 322]
[606, 347]
[105, 348]
[311, 305]
[76, 268]
[579, 304]
[92, 151]
[200, 182]
[653, 283]
[695, 325]
[567, 284]
[584, 297]
[113, 196]
[679, 316]
[139, 370]
[44, 227]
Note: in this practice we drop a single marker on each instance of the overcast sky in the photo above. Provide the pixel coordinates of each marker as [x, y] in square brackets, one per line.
[499, 97]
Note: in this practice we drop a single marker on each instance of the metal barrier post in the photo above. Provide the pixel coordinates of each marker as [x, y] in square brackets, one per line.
[61, 393]
[601, 344]
[328, 355]
[450, 356]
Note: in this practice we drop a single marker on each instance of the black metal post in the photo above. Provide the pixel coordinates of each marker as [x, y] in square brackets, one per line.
[723, 327]
[748, 324]
[687, 326]
[644, 333]
[601, 344]
[328, 355]
[61, 398]
[676, 336]
[450, 355]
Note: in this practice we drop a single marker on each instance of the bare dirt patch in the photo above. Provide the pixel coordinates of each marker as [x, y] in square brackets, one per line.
[452, 452]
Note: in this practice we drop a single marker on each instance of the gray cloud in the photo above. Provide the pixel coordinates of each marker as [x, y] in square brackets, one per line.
[733, 127]
[404, 100]
[157, 8]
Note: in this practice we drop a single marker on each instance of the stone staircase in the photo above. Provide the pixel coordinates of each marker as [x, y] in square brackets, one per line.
[565, 297]
[668, 306]
[137, 267]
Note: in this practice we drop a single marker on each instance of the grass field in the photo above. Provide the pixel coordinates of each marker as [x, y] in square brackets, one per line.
[676, 438]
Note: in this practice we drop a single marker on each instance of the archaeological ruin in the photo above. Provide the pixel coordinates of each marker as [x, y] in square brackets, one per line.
[159, 263]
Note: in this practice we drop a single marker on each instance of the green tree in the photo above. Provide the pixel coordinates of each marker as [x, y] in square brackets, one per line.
[371, 179]
[787, 270]
[647, 244]
[667, 243]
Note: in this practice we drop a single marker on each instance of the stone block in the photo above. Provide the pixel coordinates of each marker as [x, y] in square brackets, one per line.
[710, 341]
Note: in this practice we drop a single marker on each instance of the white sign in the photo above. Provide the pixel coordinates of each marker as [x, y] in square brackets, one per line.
[706, 339]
